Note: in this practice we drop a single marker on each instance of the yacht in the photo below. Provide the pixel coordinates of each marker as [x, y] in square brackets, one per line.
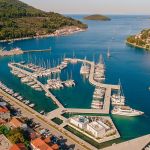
[118, 99]
[126, 111]
[32, 105]
[27, 102]
[42, 112]
[85, 69]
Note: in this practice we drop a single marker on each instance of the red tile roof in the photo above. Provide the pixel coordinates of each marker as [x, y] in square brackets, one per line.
[19, 146]
[16, 122]
[55, 147]
[3, 109]
[2, 121]
[40, 144]
[47, 140]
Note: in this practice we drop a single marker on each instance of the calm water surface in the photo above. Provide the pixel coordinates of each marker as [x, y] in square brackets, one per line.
[129, 64]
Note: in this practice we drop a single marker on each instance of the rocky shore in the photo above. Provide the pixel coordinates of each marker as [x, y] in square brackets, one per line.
[61, 32]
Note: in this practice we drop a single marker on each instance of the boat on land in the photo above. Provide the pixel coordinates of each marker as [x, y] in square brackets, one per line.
[126, 111]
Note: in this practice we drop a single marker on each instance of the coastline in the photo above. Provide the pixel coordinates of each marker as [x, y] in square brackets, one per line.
[60, 32]
[136, 46]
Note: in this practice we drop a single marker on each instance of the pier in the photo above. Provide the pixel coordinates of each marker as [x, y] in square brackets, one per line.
[48, 93]
[38, 50]
[91, 79]
[108, 87]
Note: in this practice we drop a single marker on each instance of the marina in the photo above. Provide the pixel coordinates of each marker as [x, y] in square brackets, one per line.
[102, 107]
[135, 84]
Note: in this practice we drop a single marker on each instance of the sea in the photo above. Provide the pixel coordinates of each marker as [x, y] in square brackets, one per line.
[130, 65]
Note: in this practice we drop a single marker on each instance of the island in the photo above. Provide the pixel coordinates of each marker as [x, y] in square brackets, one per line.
[140, 40]
[21, 21]
[97, 17]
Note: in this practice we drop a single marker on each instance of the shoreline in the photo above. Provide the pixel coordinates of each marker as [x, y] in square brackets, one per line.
[60, 32]
[137, 46]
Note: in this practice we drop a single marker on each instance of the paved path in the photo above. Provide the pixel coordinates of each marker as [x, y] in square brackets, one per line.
[91, 78]
[135, 144]
[47, 123]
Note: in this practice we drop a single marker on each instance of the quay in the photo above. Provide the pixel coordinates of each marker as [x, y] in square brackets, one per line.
[104, 110]
[47, 123]
[134, 144]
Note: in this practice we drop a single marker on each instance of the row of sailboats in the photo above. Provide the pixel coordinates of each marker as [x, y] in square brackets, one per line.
[16, 95]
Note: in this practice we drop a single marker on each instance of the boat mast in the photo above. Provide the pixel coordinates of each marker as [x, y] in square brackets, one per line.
[108, 53]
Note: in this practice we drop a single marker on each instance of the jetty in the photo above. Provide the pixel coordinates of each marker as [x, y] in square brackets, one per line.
[108, 87]
[48, 93]
[38, 50]
[91, 79]
[18, 51]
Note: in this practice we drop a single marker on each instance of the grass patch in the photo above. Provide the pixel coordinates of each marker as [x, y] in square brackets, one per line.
[57, 120]
[89, 140]
[68, 115]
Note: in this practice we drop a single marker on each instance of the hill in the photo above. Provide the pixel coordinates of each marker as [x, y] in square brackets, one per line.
[97, 17]
[141, 40]
[19, 20]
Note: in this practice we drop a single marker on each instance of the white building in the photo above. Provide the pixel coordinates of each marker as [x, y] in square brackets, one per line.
[97, 128]
[79, 121]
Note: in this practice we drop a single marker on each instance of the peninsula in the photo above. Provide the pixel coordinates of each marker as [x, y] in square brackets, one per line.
[140, 40]
[97, 17]
[21, 21]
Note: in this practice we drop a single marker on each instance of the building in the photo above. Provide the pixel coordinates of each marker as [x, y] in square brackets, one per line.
[79, 121]
[4, 113]
[97, 128]
[39, 144]
[5, 144]
[17, 123]
[19, 146]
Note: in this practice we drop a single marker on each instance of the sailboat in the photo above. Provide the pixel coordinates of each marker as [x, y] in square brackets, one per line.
[74, 61]
[84, 68]
[108, 53]
[119, 98]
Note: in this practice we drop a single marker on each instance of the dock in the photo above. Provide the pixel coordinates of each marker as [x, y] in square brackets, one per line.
[38, 50]
[108, 87]
[49, 94]
[91, 79]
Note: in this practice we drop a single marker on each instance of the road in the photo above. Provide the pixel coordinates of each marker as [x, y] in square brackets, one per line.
[48, 124]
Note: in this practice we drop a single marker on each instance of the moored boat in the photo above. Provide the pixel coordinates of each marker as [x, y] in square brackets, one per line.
[126, 111]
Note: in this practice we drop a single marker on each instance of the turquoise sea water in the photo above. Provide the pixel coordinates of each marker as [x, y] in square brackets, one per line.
[131, 65]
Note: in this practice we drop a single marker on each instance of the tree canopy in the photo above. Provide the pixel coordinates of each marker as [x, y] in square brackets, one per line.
[18, 20]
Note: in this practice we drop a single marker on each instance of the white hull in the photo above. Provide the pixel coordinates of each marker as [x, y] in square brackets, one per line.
[139, 113]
